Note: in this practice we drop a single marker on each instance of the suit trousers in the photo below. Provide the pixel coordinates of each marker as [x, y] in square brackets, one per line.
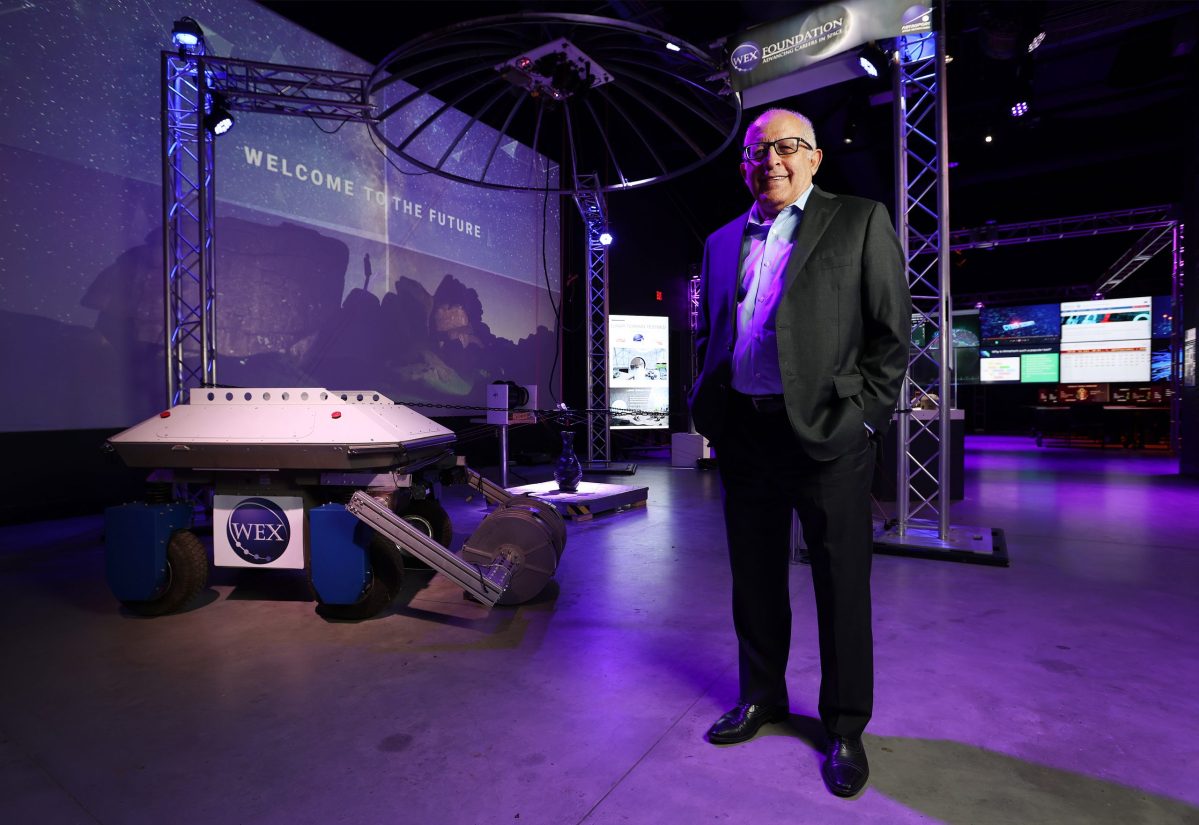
[766, 474]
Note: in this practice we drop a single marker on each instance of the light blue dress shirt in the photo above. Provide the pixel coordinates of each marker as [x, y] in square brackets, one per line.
[755, 352]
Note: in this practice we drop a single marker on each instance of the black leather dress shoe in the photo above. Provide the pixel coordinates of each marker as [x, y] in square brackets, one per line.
[845, 768]
[742, 722]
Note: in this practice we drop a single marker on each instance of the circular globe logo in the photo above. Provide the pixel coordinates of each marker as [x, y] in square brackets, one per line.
[746, 57]
[258, 530]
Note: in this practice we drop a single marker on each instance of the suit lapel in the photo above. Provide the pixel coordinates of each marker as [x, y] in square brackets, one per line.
[816, 218]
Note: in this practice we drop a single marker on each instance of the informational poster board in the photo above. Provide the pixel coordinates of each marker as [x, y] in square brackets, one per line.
[1188, 358]
[639, 371]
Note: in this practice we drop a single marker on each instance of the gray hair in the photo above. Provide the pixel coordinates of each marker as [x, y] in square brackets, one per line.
[806, 130]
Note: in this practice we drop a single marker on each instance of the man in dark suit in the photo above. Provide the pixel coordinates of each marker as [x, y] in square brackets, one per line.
[802, 345]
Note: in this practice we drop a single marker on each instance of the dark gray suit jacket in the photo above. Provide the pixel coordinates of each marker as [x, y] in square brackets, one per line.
[843, 324]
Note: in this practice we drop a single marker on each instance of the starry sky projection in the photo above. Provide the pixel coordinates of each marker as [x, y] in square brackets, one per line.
[80, 166]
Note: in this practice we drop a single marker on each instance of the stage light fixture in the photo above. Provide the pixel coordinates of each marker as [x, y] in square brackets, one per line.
[186, 34]
[218, 120]
[605, 238]
[1036, 41]
[988, 139]
[673, 47]
[873, 60]
[1019, 108]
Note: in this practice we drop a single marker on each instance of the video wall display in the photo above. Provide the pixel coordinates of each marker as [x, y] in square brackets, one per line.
[639, 371]
[1077, 342]
[334, 266]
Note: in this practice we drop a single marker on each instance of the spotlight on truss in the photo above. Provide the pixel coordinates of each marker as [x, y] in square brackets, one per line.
[1019, 108]
[873, 60]
[217, 119]
[605, 238]
[186, 34]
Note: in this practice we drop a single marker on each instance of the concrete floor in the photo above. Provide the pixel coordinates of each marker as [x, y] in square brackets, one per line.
[1064, 689]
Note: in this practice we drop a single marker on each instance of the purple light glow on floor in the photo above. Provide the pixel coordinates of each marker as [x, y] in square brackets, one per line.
[1056, 690]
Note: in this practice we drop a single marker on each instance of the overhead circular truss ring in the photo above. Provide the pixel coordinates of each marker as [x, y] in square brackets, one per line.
[557, 102]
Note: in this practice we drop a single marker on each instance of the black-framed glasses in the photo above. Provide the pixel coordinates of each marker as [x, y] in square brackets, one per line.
[755, 152]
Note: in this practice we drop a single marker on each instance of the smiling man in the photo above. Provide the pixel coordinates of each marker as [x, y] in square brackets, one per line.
[802, 346]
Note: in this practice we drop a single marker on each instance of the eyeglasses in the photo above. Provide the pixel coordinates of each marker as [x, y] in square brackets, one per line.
[755, 152]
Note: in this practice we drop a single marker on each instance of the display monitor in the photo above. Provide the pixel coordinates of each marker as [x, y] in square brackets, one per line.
[966, 365]
[1160, 357]
[1140, 396]
[1083, 393]
[639, 375]
[1163, 316]
[965, 329]
[1111, 319]
[1003, 370]
[1019, 324]
[1039, 368]
[1087, 361]
[1106, 340]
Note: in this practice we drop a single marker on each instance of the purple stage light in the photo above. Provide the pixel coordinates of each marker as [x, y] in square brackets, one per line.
[1020, 109]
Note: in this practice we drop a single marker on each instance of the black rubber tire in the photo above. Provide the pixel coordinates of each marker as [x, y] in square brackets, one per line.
[387, 574]
[187, 575]
[428, 516]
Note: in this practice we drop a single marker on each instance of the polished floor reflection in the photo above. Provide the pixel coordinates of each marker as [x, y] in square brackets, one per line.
[1057, 690]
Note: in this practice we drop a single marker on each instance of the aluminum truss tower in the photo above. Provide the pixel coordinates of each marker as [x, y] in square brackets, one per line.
[189, 199]
[189, 80]
[921, 526]
[590, 200]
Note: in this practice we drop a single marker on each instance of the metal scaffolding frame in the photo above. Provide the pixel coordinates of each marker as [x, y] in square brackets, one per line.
[592, 206]
[921, 526]
[1177, 270]
[189, 201]
[1056, 229]
[189, 198]
[189, 81]
[1159, 234]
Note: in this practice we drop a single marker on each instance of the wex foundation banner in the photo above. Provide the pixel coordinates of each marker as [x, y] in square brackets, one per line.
[772, 50]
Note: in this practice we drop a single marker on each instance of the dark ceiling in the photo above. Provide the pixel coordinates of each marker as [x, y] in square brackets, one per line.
[1111, 125]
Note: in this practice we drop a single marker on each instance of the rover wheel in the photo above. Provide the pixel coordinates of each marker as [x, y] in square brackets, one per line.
[387, 573]
[186, 576]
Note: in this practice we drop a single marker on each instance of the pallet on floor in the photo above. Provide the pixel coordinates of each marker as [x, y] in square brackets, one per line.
[591, 499]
